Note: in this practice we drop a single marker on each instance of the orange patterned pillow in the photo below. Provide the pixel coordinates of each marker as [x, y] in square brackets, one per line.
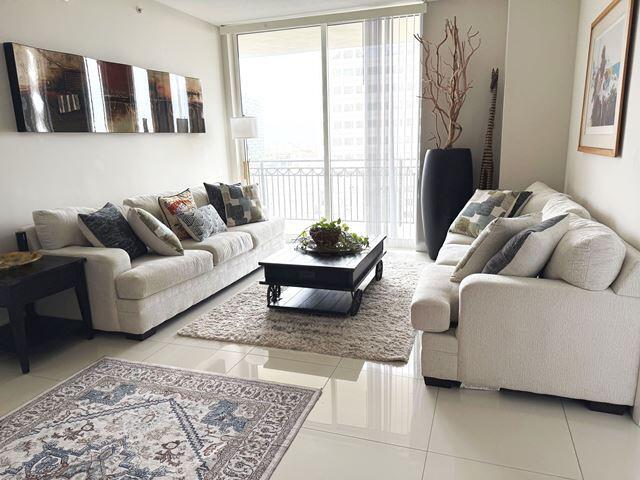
[172, 205]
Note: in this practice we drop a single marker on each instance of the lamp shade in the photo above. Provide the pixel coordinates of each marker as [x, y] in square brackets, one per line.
[244, 127]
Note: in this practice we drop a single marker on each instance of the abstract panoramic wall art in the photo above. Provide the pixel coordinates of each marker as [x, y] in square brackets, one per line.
[605, 80]
[62, 92]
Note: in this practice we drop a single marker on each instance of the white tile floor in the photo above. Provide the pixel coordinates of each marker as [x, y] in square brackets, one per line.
[375, 421]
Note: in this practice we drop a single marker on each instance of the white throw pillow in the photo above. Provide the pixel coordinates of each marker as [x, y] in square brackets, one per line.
[559, 204]
[489, 242]
[589, 256]
[526, 254]
[58, 227]
[155, 234]
[541, 193]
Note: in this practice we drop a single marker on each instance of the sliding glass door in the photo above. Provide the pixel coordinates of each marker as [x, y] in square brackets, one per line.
[338, 114]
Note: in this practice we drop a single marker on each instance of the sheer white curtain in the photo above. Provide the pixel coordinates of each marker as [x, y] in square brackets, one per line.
[392, 125]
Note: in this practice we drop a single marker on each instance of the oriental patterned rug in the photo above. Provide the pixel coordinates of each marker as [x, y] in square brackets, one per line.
[120, 419]
[381, 331]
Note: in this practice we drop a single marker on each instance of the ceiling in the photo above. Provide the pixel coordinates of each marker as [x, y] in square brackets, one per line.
[224, 12]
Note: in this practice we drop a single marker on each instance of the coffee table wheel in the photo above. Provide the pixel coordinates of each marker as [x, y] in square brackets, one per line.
[273, 294]
[379, 268]
[355, 302]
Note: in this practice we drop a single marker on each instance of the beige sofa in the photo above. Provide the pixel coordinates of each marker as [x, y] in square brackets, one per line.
[135, 296]
[531, 334]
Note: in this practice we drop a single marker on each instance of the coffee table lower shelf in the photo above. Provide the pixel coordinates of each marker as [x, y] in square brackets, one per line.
[316, 300]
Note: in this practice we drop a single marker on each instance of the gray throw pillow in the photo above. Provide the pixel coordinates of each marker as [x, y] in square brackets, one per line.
[202, 222]
[526, 254]
[155, 234]
[489, 242]
[108, 228]
[485, 206]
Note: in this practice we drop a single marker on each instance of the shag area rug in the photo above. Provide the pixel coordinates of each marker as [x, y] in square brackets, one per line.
[381, 331]
[119, 419]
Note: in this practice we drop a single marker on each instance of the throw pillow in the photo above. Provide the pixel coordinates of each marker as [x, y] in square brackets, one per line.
[215, 198]
[202, 222]
[58, 228]
[527, 252]
[489, 242]
[484, 206]
[589, 256]
[108, 228]
[521, 201]
[172, 205]
[559, 204]
[242, 204]
[155, 234]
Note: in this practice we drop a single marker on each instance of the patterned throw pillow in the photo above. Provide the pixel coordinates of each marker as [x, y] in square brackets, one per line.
[484, 207]
[172, 205]
[526, 254]
[202, 222]
[155, 234]
[489, 242]
[242, 204]
[215, 198]
[108, 228]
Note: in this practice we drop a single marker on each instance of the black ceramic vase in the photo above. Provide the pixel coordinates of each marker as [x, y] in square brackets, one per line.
[447, 185]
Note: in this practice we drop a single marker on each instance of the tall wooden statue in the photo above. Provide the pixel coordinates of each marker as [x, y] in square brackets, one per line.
[486, 169]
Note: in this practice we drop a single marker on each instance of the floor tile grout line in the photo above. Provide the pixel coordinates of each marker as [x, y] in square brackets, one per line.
[379, 442]
[433, 419]
[552, 475]
[573, 443]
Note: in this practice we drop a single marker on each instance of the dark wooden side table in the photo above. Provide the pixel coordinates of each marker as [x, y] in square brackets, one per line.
[22, 286]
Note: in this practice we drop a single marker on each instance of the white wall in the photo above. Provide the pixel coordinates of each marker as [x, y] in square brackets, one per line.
[541, 39]
[608, 187]
[490, 18]
[51, 170]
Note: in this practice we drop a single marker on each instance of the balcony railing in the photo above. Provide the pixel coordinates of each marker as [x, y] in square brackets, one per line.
[295, 190]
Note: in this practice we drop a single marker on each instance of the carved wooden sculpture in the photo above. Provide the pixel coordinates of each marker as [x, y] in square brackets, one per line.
[486, 169]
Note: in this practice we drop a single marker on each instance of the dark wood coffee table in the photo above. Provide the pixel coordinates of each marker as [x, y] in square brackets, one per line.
[321, 283]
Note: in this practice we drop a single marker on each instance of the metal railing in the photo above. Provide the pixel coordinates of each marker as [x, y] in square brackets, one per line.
[294, 190]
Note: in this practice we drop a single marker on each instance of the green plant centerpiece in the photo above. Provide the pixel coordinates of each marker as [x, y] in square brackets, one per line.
[330, 237]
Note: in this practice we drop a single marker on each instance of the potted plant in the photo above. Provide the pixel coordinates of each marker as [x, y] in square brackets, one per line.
[447, 172]
[331, 236]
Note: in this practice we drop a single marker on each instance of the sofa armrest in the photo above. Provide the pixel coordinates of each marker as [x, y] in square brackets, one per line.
[102, 267]
[547, 336]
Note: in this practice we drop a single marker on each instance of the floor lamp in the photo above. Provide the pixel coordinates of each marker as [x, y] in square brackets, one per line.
[241, 129]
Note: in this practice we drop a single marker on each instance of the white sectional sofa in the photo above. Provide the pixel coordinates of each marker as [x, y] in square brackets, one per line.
[135, 296]
[531, 334]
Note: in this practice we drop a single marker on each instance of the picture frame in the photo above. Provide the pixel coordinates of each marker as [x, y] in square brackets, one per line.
[605, 78]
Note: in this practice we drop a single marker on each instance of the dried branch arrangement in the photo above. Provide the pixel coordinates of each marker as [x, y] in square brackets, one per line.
[445, 84]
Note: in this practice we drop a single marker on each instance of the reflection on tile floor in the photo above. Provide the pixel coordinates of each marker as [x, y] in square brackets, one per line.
[373, 421]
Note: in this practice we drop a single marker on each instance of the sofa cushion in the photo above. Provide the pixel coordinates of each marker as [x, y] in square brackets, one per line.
[155, 234]
[202, 222]
[215, 198]
[526, 254]
[223, 246]
[262, 232]
[451, 254]
[58, 227]
[588, 256]
[149, 202]
[434, 306]
[481, 209]
[559, 204]
[458, 239]
[489, 242]
[539, 197]
[628, 281]
[107, 228]
[151, 274]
